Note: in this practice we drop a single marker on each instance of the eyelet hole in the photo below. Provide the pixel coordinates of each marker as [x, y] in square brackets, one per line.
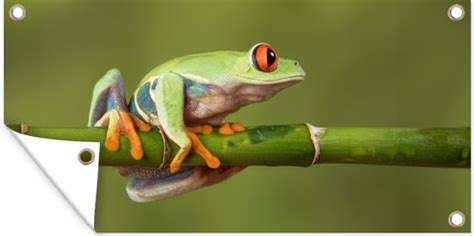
[86, 156]
[456, 219]
[456, 12]
[17, 12]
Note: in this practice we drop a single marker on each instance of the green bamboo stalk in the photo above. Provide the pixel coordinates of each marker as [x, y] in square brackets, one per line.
[441, 147]
[293, 145]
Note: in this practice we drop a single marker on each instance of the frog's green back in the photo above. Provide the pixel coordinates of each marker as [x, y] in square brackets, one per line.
[231, 67]
[210, 65]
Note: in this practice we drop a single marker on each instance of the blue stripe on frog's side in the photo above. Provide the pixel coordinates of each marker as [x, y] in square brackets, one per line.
[144, 102]
[194, 89]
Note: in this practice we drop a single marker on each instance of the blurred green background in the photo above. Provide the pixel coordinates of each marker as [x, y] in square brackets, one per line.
[393, 63]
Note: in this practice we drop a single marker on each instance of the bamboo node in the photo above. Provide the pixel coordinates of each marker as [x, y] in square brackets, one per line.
[315, 133]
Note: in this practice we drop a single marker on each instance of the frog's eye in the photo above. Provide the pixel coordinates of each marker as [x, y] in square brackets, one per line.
[265, 58]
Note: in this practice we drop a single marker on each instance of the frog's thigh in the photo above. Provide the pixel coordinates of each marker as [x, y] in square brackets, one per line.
[169, 102]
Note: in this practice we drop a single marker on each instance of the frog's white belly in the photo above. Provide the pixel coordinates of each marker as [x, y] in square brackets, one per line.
[209, 110]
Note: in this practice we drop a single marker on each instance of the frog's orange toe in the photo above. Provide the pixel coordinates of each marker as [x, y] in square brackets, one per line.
[174, 167]
[237, 127]
[112, 143]
[213, 162]
[136, 149]
[206, 129]
[137, 153]
[225, 129]
[144, 127]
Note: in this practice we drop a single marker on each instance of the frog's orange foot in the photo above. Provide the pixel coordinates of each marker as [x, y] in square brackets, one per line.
[231, 128]
[123, 123]
[211, 160]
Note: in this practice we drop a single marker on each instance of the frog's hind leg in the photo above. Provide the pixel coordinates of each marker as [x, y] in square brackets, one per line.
[109, 109]
[149, 184]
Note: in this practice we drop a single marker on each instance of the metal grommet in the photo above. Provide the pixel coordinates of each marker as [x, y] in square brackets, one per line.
[456, 12]
[17, 12]
[86, 156]
[456, 219]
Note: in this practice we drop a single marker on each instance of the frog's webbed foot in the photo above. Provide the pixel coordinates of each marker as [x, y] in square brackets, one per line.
[149, 184]
[122, 122]
[211, 160]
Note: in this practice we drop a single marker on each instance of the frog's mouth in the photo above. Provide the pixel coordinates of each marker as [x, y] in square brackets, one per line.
[259, 91]
[145, 187]
[286, 80]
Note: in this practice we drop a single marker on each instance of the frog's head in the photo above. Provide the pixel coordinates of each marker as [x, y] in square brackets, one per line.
[262, 73]
[252, 76]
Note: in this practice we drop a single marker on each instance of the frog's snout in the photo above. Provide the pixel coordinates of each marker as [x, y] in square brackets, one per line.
[301, 72]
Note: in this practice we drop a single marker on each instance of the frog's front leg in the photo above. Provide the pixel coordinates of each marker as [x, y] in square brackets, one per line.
[169, 101]
[109, 109]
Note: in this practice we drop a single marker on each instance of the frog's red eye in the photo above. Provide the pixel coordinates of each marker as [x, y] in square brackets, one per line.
[265, 58]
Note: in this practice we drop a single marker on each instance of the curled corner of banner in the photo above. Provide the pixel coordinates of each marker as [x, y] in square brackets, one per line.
[73, 176]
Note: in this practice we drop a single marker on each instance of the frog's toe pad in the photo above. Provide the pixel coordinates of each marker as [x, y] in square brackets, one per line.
[226, 129]
[206, 129]
[145, 187]
[237, 127]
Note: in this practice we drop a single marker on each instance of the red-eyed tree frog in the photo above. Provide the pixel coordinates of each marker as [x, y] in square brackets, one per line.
[183, 97]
